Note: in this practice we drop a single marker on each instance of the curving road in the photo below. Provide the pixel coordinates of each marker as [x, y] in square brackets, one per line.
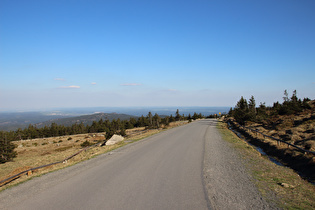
[164, 171]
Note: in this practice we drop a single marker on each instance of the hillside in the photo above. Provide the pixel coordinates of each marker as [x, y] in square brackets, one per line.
[85, 119]
[297, 129]
[14, 120]
[11, 121]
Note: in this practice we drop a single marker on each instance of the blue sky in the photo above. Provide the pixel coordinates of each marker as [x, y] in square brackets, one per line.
[88, 53]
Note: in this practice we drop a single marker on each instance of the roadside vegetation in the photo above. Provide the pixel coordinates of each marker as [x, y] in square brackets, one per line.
[292, 122]
[280, 185]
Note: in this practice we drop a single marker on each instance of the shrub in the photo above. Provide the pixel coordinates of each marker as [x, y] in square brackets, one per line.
[122, 132]
[86, 144]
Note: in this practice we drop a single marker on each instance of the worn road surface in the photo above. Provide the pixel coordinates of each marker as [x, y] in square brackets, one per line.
[179, 168]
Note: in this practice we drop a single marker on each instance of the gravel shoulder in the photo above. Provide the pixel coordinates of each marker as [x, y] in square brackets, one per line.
[226, 179]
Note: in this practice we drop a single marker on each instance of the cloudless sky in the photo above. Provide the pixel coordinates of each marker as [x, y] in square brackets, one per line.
[88, 53]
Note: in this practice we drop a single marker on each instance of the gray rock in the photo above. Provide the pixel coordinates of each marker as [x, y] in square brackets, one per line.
[114, 140]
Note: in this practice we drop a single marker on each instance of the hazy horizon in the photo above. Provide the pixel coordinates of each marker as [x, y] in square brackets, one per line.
[108, 109]
[14, 120]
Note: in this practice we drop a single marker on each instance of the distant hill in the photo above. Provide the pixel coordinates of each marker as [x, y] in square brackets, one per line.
[13, 121]
[85, 119]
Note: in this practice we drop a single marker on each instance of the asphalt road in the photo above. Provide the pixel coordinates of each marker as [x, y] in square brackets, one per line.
[188, 167]
[164, 171]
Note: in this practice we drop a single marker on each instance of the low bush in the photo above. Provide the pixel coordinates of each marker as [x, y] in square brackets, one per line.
[86, 144]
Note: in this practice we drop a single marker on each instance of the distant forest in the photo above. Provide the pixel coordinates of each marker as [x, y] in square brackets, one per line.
[108, 127]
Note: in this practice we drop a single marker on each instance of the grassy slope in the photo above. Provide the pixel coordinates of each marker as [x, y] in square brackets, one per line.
[298, 129]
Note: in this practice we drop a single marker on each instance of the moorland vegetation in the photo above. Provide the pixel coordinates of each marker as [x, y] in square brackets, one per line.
[284, 131]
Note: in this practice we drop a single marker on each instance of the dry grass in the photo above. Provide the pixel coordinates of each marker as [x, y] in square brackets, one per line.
[277, 184]
[297, 129]
[42, 151]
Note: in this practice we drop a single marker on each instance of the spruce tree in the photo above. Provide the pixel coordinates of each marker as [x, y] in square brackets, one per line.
[178, 116]
[7, 152]
[241, 111]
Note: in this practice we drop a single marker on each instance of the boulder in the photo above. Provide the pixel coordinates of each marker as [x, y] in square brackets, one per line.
[115, 139]
[285, 185]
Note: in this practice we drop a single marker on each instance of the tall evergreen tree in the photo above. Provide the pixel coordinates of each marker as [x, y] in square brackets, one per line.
[252, 109]
[241, 111]
[156, 121]
[7, 152]
[177, 116]
[150, 120]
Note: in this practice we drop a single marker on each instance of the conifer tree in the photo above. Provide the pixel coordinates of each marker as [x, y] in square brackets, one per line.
[241, 111]
[149, 117]
[252, 109]
[178, 116]
[156, 121]
[7, 152]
